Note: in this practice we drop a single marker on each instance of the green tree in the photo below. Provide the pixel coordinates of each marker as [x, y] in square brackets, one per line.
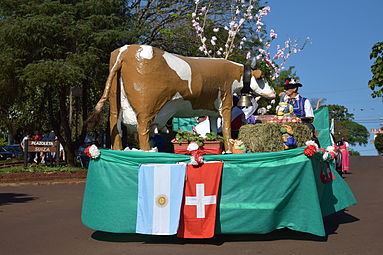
[353, 153]
[339, 113]
[50, 47]
[379, 143]
[345, 127]
[376, 83]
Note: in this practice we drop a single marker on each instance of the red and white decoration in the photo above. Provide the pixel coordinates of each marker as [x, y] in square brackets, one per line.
[198, 210]
[92, 151]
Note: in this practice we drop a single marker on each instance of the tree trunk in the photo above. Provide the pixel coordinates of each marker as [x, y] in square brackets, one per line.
[70, 154]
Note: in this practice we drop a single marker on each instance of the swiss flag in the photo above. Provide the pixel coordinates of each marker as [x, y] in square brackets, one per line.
[200, 200]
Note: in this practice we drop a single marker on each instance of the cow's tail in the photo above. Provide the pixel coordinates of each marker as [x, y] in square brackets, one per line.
[95, 116]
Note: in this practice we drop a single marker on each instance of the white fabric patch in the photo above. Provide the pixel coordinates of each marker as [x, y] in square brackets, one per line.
[181, 67]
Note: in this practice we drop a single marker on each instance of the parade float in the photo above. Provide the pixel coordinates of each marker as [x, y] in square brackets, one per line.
[256, 192]
[272, 177]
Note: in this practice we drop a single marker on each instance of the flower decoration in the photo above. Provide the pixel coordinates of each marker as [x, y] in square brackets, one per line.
[311, 142]
[310, 150]
[92, 151]
[193, 146]
[328, 154]
[196, 157]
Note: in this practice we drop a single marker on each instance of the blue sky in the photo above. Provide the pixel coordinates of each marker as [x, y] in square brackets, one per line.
[336, 65]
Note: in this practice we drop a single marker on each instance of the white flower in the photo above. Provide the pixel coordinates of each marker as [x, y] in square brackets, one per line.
[272, 101]
[94, 151]
[311, 143]
[215, 30]
[268, 107]
[192, 146]
[194, 14]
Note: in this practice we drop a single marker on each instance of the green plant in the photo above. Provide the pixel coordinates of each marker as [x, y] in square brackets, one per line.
[213, 136]
[185, 136]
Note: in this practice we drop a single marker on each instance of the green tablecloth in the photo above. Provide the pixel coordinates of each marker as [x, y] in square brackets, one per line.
[260, 192]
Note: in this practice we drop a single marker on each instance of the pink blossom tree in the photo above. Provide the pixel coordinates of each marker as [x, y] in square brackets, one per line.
[243, 24]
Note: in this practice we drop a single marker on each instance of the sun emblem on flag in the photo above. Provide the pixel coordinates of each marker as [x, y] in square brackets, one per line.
[162, 200]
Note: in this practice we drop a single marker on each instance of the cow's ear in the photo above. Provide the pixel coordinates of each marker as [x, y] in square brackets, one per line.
[257, 74]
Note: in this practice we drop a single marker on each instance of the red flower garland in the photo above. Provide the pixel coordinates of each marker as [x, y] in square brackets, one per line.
[86, 152]
[310, 150]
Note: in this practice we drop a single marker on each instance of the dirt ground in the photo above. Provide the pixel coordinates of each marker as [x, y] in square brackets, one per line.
[30, 177]
[46, 219]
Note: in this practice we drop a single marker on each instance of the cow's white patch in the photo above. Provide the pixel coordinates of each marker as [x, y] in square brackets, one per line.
[145, 51]
[262, 87]
[181, 67]
[222, 59]
[118, 59]
[126, 114]
[179, 108]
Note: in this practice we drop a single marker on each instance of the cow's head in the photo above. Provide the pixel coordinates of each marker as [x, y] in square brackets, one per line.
[253, 82]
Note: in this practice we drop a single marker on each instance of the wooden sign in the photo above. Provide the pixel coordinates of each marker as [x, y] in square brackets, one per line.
[41, 146]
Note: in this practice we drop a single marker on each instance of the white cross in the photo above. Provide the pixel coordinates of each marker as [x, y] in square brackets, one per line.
[200, 200]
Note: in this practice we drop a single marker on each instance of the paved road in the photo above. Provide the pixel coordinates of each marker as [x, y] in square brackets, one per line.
[45, 219]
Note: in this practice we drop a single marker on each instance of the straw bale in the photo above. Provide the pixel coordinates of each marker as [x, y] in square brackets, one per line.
[267, 137]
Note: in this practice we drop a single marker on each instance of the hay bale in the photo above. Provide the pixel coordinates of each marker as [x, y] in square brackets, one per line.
[267, 137]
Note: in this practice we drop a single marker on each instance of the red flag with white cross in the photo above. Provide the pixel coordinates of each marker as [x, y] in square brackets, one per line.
[199, 205]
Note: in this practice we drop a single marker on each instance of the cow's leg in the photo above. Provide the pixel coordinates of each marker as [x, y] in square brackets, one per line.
[143, 128]
[226, 127]
[114, 110]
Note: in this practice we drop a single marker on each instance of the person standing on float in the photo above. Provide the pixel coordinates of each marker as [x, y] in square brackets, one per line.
[302, 106]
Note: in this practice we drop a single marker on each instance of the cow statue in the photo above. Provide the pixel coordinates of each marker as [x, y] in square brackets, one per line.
[147, 86]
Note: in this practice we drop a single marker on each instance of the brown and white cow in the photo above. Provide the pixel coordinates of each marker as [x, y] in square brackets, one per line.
[148, 86]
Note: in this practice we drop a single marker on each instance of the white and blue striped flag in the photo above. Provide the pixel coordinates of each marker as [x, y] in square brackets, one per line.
[160, 192]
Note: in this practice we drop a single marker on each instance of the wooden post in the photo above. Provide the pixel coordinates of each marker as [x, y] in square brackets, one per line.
[26, 153]
[57, 152]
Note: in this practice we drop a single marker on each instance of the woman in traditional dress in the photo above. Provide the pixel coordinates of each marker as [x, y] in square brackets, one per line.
[343, 146]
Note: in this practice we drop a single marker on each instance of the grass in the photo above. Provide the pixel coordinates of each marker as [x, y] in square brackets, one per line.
[39, 169]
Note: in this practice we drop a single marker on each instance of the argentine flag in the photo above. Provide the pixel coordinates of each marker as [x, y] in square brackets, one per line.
[160, 192]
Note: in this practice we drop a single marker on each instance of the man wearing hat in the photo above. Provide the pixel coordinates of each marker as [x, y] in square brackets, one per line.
[302, 106]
